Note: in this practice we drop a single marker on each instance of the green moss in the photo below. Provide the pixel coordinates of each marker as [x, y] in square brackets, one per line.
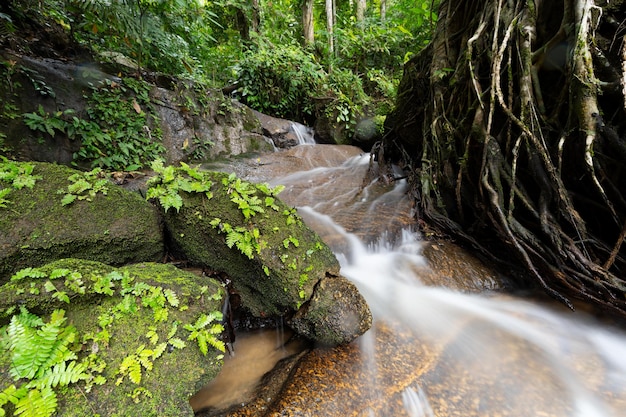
[116, 228]
[175, 373]
[271, 281]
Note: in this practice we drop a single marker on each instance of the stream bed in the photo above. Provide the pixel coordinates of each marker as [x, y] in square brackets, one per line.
[446, 340]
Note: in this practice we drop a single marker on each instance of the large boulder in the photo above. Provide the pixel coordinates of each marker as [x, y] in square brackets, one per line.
[133, 341]
[274, 260]
[113, 225]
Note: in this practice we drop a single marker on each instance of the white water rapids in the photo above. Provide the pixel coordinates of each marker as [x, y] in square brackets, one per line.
[496, 355]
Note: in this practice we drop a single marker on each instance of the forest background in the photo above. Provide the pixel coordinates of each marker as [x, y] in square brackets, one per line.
[297, 59]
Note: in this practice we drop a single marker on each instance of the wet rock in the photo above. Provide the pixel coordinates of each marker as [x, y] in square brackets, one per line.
[284, 133]
[336, 313]
[116, 228]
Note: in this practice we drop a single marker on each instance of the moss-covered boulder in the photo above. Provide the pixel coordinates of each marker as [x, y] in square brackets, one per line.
[218, 221]
[104, 222]
[273, 258]
[131, 341]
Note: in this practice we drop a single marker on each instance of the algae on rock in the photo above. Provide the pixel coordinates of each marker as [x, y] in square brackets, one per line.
[279, 260]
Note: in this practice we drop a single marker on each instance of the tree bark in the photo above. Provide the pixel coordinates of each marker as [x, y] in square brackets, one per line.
[511, 123]
[330, 25]
[361, 6]
[307, 22]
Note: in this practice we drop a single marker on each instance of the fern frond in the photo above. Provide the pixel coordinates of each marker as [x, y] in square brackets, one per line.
[217, 344]
[130, 366]
[37, 403]
[63, 374]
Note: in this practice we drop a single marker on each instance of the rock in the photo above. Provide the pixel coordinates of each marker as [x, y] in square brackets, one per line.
[285, 261]
[285, 133]
[140, 323]
[196, 123]
[336, 313]
[35, 228]
[274, 260]
[205, 125]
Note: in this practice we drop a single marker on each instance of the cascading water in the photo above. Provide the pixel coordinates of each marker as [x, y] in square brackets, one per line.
[478, 354]
[304, 134]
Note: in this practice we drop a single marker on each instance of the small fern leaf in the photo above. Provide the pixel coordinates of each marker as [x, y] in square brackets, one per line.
[217, 344]
[63, 374]
[171, 297]
[37, 403]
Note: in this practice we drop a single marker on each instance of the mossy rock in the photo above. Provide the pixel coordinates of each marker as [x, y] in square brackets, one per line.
[278, 274]
[137, 329]
[35, 228]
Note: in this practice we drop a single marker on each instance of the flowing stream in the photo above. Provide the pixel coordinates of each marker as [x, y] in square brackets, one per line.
[461, 352]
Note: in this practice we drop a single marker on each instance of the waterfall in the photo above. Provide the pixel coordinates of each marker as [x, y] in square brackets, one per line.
[304, 134]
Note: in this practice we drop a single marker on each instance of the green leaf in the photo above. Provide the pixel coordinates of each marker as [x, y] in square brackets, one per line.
[68, 199]
[28, 273]
[37, 403]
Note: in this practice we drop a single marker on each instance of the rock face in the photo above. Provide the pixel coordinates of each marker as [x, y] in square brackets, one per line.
[131, 325]
[214, 127]
[116, 228]
[195, 123]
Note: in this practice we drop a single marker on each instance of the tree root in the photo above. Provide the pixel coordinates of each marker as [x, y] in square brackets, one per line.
[510, 152]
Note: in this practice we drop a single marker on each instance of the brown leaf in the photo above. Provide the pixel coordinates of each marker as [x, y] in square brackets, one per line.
[136, 107]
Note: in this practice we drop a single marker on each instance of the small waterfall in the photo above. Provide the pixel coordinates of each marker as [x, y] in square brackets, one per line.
[304, 134]
[526, 359]
[492, 354]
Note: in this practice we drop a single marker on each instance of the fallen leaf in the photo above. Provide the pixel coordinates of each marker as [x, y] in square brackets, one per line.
[136, 106]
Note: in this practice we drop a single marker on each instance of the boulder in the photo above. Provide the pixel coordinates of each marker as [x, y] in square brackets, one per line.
[276, 262]
[116, 228]
[334, 315]
[133, 336]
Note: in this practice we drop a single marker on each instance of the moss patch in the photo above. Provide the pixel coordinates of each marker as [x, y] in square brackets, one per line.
[279, 259]
[116, 228]
[130, 323]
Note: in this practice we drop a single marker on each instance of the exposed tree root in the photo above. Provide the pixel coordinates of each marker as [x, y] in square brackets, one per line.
[520, 116]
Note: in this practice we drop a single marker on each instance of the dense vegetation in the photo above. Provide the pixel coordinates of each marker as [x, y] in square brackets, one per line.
[263, 51]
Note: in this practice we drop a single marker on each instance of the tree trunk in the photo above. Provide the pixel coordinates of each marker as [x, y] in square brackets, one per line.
[510, 123]
[383, 9]
[361, 6]
[307, 22]
[330, 25]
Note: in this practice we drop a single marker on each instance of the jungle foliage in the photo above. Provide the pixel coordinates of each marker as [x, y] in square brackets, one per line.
[231, 42]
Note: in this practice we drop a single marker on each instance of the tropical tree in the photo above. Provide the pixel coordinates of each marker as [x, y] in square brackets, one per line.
[510, 124]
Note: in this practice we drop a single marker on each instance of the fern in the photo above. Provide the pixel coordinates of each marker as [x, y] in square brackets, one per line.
[40, 353]
[37, 403]
[64, 373]
[169, 181]
[206, 335]
[28, 273]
